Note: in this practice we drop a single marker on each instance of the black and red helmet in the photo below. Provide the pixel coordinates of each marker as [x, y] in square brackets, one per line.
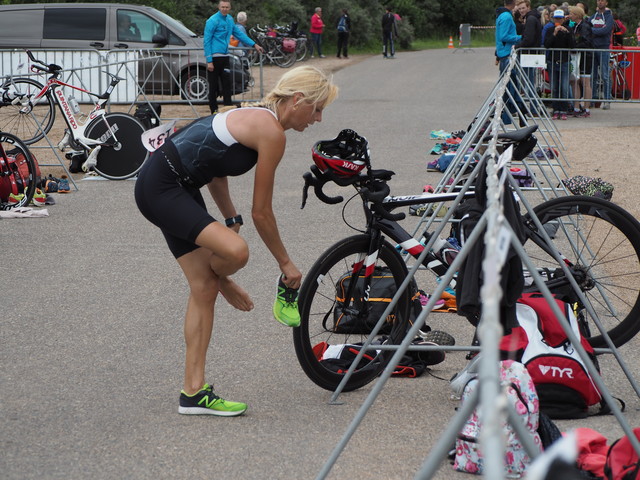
[346, 155]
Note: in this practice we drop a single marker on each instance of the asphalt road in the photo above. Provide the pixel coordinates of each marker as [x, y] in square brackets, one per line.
[91, 333]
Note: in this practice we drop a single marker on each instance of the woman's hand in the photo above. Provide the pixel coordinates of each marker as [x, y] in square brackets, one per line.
[292, 277]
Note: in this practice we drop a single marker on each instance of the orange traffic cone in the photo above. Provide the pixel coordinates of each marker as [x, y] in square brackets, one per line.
[451, 42]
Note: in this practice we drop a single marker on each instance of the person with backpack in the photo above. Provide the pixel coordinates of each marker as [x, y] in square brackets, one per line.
[209, 251]
[506, 38]
[343, 27]
[602, 28]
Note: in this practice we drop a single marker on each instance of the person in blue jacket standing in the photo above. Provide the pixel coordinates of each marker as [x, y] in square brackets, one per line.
[601, 30]
[506, 38]
[217, 32]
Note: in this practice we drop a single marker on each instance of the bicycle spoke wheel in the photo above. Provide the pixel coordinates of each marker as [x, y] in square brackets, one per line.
[121, 158]
[320, 308]
[601, 243]
[28, 122]
[17, 172]
[284, 59]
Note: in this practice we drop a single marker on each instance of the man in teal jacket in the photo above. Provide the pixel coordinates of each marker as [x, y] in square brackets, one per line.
[217, 32]
[506, 38]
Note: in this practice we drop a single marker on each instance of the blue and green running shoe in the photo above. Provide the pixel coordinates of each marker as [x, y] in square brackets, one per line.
[285, 308]
[205, 402]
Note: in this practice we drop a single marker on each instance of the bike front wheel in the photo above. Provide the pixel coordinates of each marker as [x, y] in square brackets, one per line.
[600, 242]
[122, 153]
[318, 303]
[284, 59]
[17, 172]
[21, 115]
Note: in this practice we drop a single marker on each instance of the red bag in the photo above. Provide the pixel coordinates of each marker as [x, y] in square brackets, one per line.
[622, 460]
[15, 182]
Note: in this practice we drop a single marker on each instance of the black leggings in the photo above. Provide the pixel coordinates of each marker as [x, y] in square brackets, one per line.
[179, 211]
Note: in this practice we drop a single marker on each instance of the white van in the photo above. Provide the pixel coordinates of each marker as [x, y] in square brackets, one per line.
[113, 26]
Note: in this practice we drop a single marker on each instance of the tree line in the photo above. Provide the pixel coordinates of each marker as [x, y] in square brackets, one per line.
[420, 18]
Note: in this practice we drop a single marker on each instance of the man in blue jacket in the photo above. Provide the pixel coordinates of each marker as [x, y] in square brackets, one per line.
[601, 29]
[217, 32]
[506, 38]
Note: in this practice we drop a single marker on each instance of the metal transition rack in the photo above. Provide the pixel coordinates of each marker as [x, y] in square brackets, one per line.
[498, 238]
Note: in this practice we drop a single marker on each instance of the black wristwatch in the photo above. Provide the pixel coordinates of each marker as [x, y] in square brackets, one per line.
[233, 220]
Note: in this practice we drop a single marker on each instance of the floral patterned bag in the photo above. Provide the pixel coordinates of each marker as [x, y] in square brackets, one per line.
[521, 393]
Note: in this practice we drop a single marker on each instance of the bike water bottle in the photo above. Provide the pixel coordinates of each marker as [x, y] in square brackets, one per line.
[73, 103]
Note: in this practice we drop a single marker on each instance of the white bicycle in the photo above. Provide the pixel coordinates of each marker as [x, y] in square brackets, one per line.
[108, 143]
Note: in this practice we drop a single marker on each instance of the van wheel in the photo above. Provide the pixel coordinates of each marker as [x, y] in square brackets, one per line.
[195, 86]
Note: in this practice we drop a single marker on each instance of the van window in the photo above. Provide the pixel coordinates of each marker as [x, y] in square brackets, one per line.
[75, 23]
[135, 26]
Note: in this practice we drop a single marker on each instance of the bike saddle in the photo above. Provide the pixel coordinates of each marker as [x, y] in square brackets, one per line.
[518, 135]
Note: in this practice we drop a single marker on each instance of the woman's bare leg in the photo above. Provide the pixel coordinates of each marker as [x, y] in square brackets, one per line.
[207, 271]
[229, 254]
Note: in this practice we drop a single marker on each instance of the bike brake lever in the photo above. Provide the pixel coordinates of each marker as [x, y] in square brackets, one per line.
[305, 190]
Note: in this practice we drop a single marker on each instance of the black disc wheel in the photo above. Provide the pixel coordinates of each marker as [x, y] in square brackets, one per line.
[122, 153]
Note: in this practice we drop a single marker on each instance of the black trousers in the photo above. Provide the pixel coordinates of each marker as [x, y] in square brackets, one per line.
[343, 43]
[216, 78]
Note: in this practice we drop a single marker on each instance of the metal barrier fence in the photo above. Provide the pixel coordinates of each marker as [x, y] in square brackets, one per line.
[586, 76]
[154, 75]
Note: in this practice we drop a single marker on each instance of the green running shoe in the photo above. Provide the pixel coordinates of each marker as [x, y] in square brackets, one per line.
[285, 308]
[205, 402]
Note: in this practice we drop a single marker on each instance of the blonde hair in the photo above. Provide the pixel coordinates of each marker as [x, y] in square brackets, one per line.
[577, 11]
[315, 86]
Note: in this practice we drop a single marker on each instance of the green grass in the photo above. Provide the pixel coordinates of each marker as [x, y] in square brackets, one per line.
[479, 38]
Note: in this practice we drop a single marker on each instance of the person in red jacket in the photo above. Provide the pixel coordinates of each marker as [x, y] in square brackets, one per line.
[317, 26]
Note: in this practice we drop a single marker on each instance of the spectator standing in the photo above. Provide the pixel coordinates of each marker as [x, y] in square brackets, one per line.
[241, 23]
[506, 38]
[317, 27]
[217, 33]
[531, 35]
[561, 40]
[343, 27]
[638, 34]
[389, 33]
[619, 29]
[583, 37]
[602, 28]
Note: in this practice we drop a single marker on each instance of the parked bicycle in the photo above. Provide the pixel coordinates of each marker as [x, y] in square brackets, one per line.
[108, 143]
[599, 243]
[17, 172]
[279, 48]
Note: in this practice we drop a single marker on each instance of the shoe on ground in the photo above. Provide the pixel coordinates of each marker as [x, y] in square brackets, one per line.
[15, 199]
[606, 106]
[39, 198]
[322, 56]
[205, 402]
[585, 114]
[555, 116]
[563, 116]
[285, 307]
[63, 185]
[460, 379]
[434, 338]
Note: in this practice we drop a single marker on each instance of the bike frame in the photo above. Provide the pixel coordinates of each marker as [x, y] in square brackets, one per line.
[76, 128]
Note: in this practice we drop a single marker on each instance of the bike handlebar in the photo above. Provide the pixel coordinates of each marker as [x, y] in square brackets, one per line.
[374, 188]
